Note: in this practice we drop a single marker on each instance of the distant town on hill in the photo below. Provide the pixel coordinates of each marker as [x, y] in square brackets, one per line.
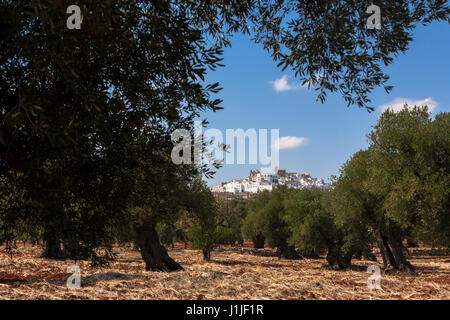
[259, 181]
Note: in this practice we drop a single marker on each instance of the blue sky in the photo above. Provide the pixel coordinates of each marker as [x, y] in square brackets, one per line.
[334, 132]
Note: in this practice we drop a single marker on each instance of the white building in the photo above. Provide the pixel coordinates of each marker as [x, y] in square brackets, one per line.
[259, 181]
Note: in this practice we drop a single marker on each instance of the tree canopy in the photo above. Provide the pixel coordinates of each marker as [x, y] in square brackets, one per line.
[398, 187]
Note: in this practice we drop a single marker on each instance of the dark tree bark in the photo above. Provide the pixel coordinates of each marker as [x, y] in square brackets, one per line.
[258, 241]
[397, 251]
[336, 259]
[52, 248]
[386, 254]
[73, 250]
[392, 251]
[287, 252]
[206, 255]
[153, 253]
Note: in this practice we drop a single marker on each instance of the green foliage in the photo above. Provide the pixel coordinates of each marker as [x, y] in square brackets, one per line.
[356, 209]
[231, 215]
[328, 45]
[312, 226]
[266, 217]
[316, 232]
[399, 187]
[411, 152]
[204, 233]
[253, 225]
[86, 116]
[166, 233]
[304, 219]
[204, 236]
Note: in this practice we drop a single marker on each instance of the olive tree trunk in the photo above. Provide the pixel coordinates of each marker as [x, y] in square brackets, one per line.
[386, 254]
[206, 255]
[392, 252]
[397, 249]
[52, 246]
[153, 253]
[288, 252]
[336, 259]
[258, 241]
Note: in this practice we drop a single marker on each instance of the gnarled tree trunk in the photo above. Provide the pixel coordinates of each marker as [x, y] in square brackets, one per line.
[258, 241]
[73, 250]
[392, 251]
[153, 253]
[52, 249]
[386, 254]
[206, 255]
[288, 252]
[336, 259]
[397, 251]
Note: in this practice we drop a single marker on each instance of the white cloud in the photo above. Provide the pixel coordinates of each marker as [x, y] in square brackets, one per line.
[282, 84]
[398, 103]
[290, 142]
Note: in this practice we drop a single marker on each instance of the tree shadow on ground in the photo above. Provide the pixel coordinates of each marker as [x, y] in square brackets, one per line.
[250, 251]
[352, 267]
[137, 260]
[236, 263]
[439, 252]
[432, 270]
[107, 276]
[61, 279]
[18, 278]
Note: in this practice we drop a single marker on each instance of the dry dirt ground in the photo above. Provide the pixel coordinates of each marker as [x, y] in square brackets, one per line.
[230, 275]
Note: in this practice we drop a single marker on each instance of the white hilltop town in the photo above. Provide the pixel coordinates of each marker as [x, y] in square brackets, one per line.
[259, 181]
